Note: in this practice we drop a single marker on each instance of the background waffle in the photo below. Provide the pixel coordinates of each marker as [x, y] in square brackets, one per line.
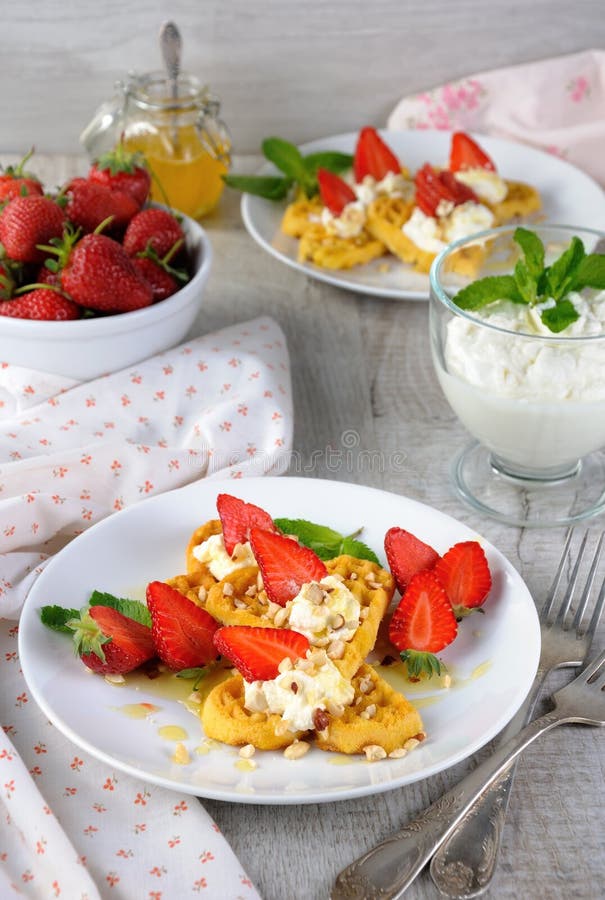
[330, 251]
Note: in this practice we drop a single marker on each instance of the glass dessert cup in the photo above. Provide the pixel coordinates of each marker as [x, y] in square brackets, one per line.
[533, 400]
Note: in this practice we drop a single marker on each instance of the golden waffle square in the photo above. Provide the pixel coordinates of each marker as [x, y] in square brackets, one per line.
[520, 201]
[190, 584]
[379, 716]
[245, 604]
[319, 246]
[385, 218]
[300, 215]
[224, 718]
[200, 535]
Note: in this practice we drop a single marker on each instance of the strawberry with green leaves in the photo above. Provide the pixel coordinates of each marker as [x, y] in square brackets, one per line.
[88, 204]
[284, 564]
[121, 170]
[257, 652]
[152, 227]
[163, 279]
[41, 303]
[373, 157]
[465, 576]
[27, 222]
[110, 643]
[238, 517]
[182, 632]
[423, 624]
[16, 182]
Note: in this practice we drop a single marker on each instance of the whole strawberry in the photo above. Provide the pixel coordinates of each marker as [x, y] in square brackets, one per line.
[99, 275]
[89, 204]
[9, 273]
[161, 282]
[27, 222]
[120, 170]
[152, 227]
[109, 642]
[15, 182]
[40, 303]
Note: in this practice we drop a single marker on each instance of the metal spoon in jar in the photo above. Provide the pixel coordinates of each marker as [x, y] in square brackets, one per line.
[171, 45]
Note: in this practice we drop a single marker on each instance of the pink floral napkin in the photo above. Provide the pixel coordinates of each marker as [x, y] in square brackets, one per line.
[72, 454]
[557, 105]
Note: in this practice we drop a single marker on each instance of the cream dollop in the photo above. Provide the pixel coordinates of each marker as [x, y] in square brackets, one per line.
[213, 553]
[325, 611]
[433, 233]
[487, 185]
[348, 224]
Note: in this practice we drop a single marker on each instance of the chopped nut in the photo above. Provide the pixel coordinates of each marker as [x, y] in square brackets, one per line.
[319, 657]
[305, 665]
[321, 720]
[371, 710]
[181, 755]
[338, 576]
[281, 617]
[369, 576]
[240, 604]
[202, 594]
[336, 650]
[259, 581]
[365, 685]
[247, 751]
[315, 594]
[335, 709]
[281, 728]
[421, 736]
[273, 608]
[375, 585]
[374, 752]
[358, 700]
[195, 697]
[296, 750]
[251, 592]
[447, 681]
[294, 687]
[285, 665]
[410, 744]
[353, 576]
[115, 679]
[227, 589]
[336, 621]
[398, 753]
[364, 613]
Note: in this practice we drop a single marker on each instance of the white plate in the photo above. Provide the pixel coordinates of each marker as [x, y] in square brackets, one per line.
[147, 542]
[569, 197]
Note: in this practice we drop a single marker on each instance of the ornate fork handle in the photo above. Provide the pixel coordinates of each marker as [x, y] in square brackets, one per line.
[386, 871]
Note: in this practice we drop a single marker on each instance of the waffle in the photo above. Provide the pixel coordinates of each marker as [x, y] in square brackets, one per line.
[330, 251]
[300, 215]
[189, 585]
[225, 718]
[248, 606]
[521, 200]
[385, 218]
[392, 719]
[200, 535]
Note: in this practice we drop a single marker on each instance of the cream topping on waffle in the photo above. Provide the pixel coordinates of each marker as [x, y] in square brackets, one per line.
[325, 611]
[213, 553]
[485, 184]
[433, 233]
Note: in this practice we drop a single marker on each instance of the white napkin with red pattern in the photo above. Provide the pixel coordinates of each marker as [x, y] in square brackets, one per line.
[72, 453]
[556, 104]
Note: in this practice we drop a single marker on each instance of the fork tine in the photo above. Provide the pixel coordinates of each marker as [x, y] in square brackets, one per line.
[591, 669]
[597, 612]
[548, 602]
[588, 587]
[571, 587]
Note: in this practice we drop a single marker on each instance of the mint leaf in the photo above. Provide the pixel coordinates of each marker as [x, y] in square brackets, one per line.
[196, 674]
[56, 618]
[590, 272]
[558, 317]
[331, 160]
[487, 290]
[561, 274]
[133, 609]
[267, 186]
[533, 250]
[358, 549]
[287, 157]
[527, 285]
[325, 542]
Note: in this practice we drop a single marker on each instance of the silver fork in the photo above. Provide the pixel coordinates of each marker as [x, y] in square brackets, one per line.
[465, 864]
[387, 870]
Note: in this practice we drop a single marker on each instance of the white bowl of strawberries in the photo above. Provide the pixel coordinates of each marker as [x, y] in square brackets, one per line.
[93, 280]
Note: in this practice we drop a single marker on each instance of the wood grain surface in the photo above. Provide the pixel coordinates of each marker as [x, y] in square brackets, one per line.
[363, 365]
[303, 67]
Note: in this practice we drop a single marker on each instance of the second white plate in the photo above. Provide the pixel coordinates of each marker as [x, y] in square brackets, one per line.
[569, 197]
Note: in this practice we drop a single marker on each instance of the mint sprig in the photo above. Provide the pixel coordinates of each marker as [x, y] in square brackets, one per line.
[533, 283]
[324, 541]
[57, 617]
[297, 169]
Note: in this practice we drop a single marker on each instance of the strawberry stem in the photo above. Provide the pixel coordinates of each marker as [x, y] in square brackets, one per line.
[420, 663]
[87, 637]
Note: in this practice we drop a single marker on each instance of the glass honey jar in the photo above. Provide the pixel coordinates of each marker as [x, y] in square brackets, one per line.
[176, 126]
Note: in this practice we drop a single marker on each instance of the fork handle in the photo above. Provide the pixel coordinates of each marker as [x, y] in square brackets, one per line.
[385, 872]
[465, 863]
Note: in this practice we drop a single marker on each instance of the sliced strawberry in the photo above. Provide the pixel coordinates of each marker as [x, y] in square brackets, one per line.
[111, 643]
[464, 573]
[465, 153]
[182, 631]
[373, 157]
[432, 187]
[238, 517]
[257, 652]
[407, 555]
[335, 193]
[423, 624]
[284, 564]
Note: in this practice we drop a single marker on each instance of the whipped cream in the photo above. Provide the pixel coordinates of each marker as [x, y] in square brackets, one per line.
[433, 233]
[533, 402]
[394, 184]
[335, 617]
[313, 689]
[487, 185]
[213, 553]
[348, 224]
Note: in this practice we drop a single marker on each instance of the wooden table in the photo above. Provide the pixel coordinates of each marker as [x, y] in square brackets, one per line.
[363, 365]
